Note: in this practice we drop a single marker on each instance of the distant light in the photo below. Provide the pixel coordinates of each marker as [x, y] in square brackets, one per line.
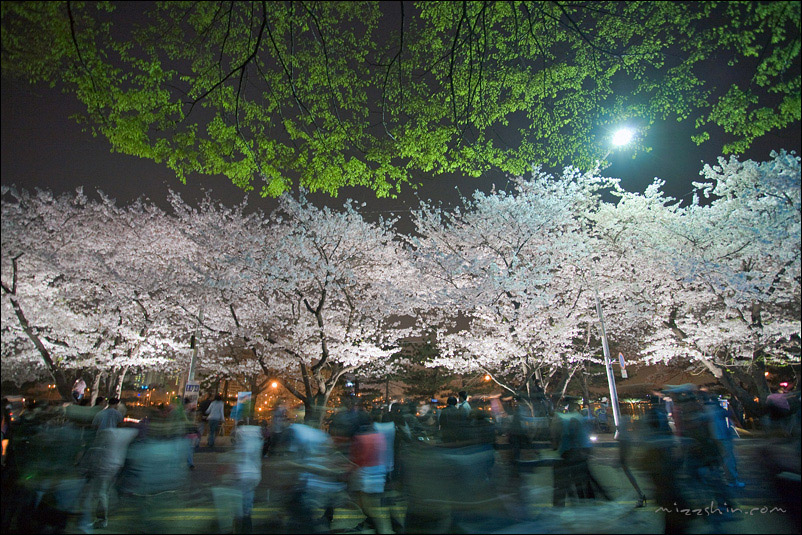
[784, 384]
[593, 438]
[765, 374]
[623, 136]
[487, 377]
[274, 384]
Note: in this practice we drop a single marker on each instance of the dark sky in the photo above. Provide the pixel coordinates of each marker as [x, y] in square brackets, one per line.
[42, 147]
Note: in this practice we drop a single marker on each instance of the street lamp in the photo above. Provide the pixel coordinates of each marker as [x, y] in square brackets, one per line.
[621, 137]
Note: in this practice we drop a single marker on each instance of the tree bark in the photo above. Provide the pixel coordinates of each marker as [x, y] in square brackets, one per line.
[63, 386]
[583, 383]
[758, 376]
[724, 376]
[95, 388]
[118, 387]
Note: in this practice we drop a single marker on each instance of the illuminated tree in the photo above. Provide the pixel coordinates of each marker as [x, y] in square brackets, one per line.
[376, 94]
[723, 272]
[342, 293]
[84, 286]
[520, 269]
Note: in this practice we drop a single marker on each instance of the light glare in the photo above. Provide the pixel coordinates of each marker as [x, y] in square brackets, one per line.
[623, 136]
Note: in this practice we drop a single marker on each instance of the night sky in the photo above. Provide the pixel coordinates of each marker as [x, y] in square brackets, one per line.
[42, 147]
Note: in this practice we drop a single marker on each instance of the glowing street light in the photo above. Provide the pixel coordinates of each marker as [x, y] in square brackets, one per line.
[274, 384]
[623, 136]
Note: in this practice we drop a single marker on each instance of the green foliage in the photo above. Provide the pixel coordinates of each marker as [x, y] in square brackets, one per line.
[332, 94]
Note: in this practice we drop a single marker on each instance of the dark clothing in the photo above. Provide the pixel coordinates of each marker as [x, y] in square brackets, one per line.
[452, 423]
[203, 406]
[572, 474]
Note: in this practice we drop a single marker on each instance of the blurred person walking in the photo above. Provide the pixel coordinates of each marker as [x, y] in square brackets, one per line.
[109, 417]
[201, 416]
[369, 453]
[462, 403]
[452, 422]
[723, 434]
[106, 457]
[625, 447]
[572, 474]
[247, 469]
[216, 417]
[660, 463]
[317, 470]
[78, 390]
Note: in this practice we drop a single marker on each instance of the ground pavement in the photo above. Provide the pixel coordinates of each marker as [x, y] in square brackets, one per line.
[205, 507]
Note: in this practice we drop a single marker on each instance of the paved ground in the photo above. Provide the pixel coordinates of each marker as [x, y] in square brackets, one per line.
[203, 507]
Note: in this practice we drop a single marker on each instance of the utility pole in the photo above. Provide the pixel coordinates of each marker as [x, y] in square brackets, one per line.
[609, 367]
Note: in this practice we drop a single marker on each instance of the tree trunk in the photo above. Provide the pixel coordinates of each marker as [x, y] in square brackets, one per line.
[565, 381]
[758, 376]
[751, 407]
[255, 391]
[95, 388]
[583, 383]
[109, 383]
[63, 386]
[118, 387]
[315, 407]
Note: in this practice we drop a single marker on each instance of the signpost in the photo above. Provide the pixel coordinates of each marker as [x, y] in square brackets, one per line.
[191, 395]
[242, 411]
[623, 366]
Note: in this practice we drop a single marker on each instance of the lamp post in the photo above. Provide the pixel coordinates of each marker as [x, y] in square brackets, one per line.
[608, 365]
[620, 138]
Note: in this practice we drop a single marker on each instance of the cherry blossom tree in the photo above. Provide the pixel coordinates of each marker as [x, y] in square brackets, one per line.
[77, 293]
[304, 296]
[510, 282]
[731, 292]
[224, 293]
[519, 266]
[341, 294]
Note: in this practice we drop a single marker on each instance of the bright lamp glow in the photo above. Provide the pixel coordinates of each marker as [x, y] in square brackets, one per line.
[623, 136]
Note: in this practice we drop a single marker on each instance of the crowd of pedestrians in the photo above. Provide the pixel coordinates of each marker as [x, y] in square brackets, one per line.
[408, 467]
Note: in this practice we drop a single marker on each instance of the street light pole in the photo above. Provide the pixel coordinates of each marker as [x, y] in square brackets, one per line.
[620, 138]
[609, 367]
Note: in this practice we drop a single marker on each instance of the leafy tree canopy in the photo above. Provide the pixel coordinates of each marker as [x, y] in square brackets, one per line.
[379, 94]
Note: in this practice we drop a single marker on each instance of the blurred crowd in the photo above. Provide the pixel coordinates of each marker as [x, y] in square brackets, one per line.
[407, 467]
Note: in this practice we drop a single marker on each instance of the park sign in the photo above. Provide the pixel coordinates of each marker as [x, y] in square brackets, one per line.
[191, 395]
[242, 410]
